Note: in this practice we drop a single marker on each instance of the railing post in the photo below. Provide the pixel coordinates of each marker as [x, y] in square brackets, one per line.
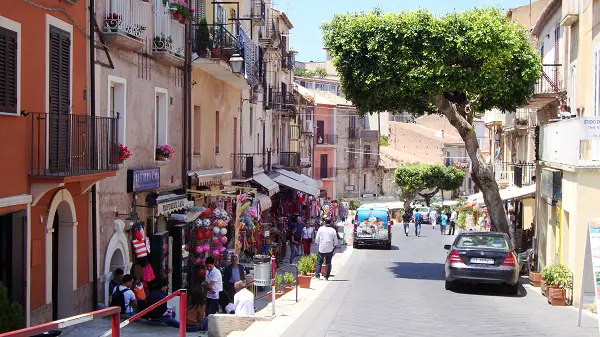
[273, 288]
[182, 312]
[115, 324]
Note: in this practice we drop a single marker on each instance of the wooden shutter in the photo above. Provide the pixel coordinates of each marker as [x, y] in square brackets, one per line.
[8, 71]
[59, 88]
[324, 166]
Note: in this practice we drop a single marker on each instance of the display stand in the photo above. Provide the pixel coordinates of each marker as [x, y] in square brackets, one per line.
[590, 280]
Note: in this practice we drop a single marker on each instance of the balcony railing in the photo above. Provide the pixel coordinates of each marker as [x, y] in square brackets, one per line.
[128, 17]
[570, 142]
[283, 101]
[287, 60]
[258, 12]
[243, 165]
[493, 116]
[325, 172]
[214, 41]
[308, 126]
[522, 118]
[169, 35]
[518, 174]
[551, 80]
[289, 159]
[326, 139]
[64, 145]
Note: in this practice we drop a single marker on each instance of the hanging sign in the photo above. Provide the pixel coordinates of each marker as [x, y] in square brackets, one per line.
[173, 205]
[143, 180]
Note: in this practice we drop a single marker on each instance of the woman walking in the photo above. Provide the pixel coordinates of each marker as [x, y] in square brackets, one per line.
[308, 235]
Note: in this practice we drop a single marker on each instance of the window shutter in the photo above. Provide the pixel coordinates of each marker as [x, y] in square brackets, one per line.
[8, 71]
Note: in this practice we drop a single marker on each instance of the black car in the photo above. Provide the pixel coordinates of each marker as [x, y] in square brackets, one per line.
[482, 257]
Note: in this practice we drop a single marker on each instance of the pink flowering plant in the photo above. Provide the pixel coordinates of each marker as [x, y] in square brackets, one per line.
[164, 150]
[183, 8]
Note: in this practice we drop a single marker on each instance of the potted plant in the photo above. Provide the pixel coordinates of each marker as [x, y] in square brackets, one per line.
[203, 38]
[535, 278]
[547, 278]
[161, 43]
[182, 11]
[164, 152]
[558, 278]
[313, 258]
[217, 36]
[289, 282]
[278, 289]
[305, 266]
[123, 153]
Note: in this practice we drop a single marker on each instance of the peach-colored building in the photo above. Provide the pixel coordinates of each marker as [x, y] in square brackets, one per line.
[58, 151]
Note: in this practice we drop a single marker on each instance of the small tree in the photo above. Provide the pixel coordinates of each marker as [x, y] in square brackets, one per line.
[456, 65]
[11, 314]
[203, 37]
[320, 72]
[426, 181]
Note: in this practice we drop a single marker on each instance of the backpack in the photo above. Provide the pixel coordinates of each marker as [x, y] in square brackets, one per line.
[118, 299]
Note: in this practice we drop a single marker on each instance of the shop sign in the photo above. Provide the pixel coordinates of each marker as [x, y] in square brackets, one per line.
[143, 180]
[174, 205]
[591, 127]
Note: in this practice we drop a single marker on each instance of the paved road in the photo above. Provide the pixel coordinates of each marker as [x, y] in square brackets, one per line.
[401, 293]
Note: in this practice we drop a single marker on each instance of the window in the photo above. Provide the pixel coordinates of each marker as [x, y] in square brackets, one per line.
[217, 133]
[161, 116]
[251, 121]
[9, 71]
[117, 106]
[323, 170]
[482, 242]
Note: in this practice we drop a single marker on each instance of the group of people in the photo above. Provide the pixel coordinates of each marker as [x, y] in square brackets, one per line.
[133, 295]
[447, 221]
[300, 238]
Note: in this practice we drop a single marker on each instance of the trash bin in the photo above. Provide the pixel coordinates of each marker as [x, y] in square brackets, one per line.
[262, 270]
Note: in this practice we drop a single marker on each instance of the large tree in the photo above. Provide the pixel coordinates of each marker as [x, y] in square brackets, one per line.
[457, 65]
[426, 180]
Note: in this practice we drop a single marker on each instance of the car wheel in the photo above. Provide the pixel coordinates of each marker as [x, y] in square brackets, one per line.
[355, 245]
[513, 289]
[449, 285]
[388, 246]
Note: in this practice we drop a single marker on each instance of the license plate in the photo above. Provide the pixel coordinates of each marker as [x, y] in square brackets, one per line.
[482, 261]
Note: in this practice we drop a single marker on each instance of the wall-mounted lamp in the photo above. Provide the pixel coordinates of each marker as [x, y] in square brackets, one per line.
[236, 62]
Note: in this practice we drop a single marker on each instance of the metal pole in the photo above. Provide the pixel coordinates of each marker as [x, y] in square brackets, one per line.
[115, 324]
[182, 312]
[273, 290]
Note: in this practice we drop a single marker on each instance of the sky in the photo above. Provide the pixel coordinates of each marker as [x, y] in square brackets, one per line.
[307, 16]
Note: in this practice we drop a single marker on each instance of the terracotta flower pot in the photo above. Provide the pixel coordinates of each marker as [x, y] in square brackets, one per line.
[215, 53]
[535, 278]
[287, 289]
[177, 16]
[304, 281]
[543, 287]
[277, 296]
[160, 156]
[557, 296]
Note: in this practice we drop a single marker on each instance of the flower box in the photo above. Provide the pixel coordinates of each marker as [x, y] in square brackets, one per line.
[304, 281]
[163, 152]
[287, 289]
[543, 287]
[535, 278]
[557, 296]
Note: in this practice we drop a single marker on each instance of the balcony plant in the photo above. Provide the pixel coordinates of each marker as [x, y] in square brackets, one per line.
[217, 42]
[203, 41]
[164, 152]
[290, 282]
[183, 12]
[123, 153]
[162, 42]
[558, 278]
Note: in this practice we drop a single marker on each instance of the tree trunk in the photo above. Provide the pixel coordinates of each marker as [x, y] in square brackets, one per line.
[480, 173]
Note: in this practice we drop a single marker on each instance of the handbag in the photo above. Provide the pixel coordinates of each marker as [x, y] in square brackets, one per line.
[148, 273]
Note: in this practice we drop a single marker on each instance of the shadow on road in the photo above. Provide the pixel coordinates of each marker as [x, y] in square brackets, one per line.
[373, 247]
[488, 290]
[419, 270]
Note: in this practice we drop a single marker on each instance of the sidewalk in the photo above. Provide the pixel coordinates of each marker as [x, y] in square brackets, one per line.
[286, 308]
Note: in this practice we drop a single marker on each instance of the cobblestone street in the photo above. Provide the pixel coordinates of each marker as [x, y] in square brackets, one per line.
[401, 293]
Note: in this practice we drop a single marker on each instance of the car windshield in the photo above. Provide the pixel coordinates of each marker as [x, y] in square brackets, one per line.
[482, 241]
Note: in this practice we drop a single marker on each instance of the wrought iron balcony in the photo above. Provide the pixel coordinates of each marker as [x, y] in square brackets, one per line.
[551, 80]
[326, 139]
[64, 144]
[289, 159]
[325, 172]
[126, 23]
[268, 34]
[243, 164]
[214, 41]
[168, 44]
[258, 12]
[284, 101]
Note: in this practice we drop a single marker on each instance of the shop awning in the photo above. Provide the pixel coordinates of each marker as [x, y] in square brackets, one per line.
[266, 182]
[506, 194]
[282, 179]
[299, 177]
[214, 176]
[169, 203]
[264, 200]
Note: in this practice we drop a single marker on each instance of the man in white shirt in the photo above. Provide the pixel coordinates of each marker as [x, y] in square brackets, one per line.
[453, 218]
[326, 239]
[214, 282]
[243, 300]
[433, 215]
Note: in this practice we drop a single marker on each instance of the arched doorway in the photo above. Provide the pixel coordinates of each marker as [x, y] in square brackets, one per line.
[117, 256]
[61, 254]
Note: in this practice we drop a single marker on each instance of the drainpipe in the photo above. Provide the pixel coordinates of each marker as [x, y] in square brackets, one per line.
[92, 93]
[187, 107]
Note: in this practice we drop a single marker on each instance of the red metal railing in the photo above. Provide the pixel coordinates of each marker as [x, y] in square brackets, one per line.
[114, 312]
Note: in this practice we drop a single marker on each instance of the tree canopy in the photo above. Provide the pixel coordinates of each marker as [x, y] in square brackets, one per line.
[457, 65]
[401, 62]
[426, 180]
[319, 72]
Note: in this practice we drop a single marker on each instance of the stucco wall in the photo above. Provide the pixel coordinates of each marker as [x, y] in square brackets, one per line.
[415, 143]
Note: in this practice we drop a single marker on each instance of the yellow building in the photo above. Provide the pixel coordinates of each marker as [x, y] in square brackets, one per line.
[568, 159]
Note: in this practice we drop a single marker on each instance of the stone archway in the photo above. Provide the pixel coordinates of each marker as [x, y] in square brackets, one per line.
[61, 254]
[117, 256]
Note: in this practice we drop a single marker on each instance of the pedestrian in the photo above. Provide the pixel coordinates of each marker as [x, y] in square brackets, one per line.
[243, 300]
[293, 245]
[233, 273]
[453, 218]
[214, 284]
[433, 215]
[308, 235]
[123, 296]
[163, 312]
[326, 239]
[139, 287]
[418, 220]
[443, 223]
[406, 217]
[116, 280]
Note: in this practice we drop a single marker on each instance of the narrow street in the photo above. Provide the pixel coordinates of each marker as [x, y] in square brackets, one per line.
[401, 293]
